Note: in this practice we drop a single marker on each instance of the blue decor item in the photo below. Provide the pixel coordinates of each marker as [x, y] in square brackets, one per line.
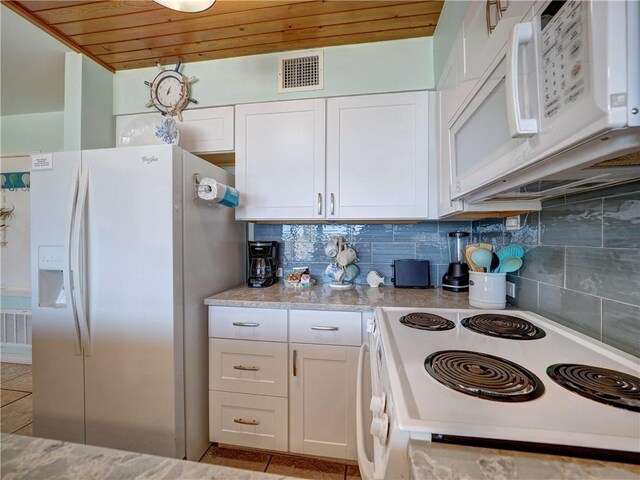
[16, 180]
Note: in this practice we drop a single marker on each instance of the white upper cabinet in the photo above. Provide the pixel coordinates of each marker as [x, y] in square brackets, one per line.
[203, 130]
[377, 156]
[280, 160]
[375, 166]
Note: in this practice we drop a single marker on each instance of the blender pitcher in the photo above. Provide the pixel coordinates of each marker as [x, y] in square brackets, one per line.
[457, 277]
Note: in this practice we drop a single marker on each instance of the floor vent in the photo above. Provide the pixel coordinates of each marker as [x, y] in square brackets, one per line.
[15, 327]
[300, 72]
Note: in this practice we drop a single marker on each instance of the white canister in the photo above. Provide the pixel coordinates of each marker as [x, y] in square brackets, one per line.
[488, 290]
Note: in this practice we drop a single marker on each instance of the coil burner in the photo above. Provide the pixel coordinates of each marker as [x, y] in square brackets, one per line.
[483, 376]
[602, 385]
[427, 321]
[503, 326]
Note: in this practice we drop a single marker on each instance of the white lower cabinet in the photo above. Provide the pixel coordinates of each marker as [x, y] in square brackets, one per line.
[284, 389]
[256, 421]
[322, 400]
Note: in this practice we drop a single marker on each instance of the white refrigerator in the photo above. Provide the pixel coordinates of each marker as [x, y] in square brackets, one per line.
[123, 255]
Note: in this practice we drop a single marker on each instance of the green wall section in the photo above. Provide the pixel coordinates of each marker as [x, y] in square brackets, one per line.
[88, 101]
[391, 66]
[445, 34]
[30, 133]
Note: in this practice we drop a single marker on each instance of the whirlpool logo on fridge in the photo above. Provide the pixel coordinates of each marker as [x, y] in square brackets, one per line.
[149, 160]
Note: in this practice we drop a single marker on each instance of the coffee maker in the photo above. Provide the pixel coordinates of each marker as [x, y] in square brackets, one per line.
[457, 277]
[263, 264]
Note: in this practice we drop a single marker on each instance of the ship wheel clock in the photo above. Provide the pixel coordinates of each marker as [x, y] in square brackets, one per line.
[170, 91]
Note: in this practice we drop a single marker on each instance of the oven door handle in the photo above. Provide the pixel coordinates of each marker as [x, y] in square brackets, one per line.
[366, 465]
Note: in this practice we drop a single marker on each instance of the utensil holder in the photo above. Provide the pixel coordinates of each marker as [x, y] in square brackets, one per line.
[488, 290]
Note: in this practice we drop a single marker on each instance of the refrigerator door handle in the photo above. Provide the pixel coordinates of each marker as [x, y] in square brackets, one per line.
[66, 272]
[76, 262]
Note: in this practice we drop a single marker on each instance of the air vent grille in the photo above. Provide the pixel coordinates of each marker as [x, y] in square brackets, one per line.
[300, 72]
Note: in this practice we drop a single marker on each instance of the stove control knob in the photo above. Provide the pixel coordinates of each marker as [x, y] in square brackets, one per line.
[380, 427]
[378, 404]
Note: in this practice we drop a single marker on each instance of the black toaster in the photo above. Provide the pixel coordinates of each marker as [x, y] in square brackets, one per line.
[411, 274]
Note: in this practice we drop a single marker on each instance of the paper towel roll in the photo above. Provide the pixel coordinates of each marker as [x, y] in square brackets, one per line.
[212, 191]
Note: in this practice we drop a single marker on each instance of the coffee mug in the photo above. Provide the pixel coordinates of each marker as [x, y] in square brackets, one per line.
[351, 272]
[331, 249]
[346, 256]
[334, 272]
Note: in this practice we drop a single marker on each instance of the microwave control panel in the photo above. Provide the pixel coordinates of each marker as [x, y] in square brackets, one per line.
[565, 55]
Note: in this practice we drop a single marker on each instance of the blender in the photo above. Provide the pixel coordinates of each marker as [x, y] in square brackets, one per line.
[457, 277]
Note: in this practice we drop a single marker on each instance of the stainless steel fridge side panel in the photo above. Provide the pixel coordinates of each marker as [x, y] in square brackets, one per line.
[58, 384]
[214, 250]
[130, 380]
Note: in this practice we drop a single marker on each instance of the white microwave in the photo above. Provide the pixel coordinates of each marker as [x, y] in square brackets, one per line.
[558, 103]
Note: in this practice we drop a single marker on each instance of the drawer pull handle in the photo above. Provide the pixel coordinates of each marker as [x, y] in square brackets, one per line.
[295, 363]
[248, 369]
[246, 422]
[246, 324]
[326, 329]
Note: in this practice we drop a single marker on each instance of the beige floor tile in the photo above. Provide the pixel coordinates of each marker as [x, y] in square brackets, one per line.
[16, 415]
[9, 396]
[229, 457]
[309, 468]
[353, 472]
[13, 370]
[26, 431]
[23, 383]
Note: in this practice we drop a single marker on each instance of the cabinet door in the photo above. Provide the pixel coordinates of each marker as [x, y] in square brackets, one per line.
[322, 400]
[377, 157]
[280, 160]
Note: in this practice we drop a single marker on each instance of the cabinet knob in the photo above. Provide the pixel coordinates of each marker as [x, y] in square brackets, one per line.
[378, 404]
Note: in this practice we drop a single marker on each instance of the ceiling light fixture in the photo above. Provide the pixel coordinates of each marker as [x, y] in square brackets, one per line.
[189, 6]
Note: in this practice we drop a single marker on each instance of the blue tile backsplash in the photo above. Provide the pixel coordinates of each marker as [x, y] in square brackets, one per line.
[377, 245]
[582, 263]
[582, 260]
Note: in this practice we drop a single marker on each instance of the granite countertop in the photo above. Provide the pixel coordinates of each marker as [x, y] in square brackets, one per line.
[361, 298]
[454, 462]
[39, 458]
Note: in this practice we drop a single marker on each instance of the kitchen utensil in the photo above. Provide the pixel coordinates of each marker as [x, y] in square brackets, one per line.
[467, 253]
[512, 251]
[495, 262]
[482, 258]
[510, 265]
[488, 246]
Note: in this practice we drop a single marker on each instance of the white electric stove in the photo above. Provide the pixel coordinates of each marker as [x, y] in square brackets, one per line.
[483, 376]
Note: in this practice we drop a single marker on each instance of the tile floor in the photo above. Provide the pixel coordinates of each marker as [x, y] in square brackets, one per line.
[16, 417]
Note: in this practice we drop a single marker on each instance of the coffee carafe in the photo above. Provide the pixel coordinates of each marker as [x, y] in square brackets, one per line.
[263, 264]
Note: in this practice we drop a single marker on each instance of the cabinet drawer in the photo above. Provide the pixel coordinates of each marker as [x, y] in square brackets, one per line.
[248, 420]
[239, 366]
[326, 328]
[265, 324]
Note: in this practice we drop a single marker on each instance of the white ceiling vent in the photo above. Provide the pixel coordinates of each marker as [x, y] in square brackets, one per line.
[300, 71]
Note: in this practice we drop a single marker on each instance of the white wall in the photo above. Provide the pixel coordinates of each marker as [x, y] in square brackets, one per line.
[31, 133]
[445, 35]
[88, 101]
[398, 65]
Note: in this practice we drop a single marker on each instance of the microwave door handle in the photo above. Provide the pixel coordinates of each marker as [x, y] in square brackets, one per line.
[521, 34]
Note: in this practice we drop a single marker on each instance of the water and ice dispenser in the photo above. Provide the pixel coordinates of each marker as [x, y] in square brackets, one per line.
[51, 292]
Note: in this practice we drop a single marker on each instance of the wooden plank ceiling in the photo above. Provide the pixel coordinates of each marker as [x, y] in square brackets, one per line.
[140, 33]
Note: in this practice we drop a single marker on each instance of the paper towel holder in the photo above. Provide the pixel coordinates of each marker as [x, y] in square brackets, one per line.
[197, 178]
